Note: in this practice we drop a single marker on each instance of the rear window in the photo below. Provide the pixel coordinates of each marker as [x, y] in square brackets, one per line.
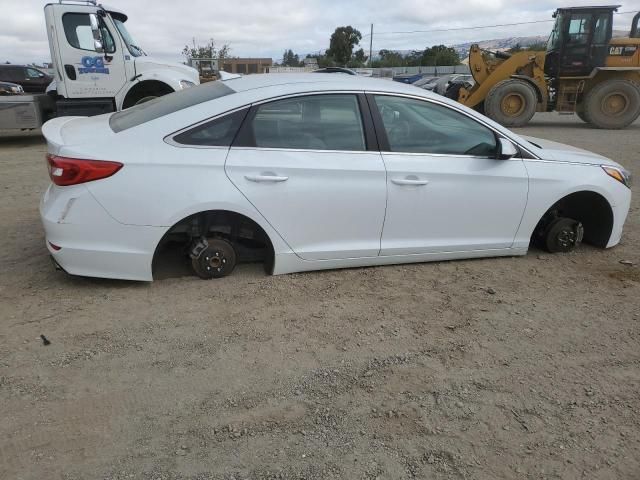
[159, 107]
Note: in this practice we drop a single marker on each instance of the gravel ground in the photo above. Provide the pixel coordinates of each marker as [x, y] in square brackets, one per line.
[501, 368]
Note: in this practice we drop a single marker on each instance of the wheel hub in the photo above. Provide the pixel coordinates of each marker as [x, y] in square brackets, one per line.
[215, 261]
[566, 238]
[513, 104]
[615, 104]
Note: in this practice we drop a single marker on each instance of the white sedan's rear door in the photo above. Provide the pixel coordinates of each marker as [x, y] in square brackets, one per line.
[303, 163]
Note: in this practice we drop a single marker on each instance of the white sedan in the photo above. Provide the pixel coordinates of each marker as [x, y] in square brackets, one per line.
[308, 172]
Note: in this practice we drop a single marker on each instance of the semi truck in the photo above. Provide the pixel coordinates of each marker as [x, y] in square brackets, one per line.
[98, 68]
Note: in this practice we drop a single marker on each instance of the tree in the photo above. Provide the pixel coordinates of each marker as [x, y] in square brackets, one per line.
[208, 51]
[341, 44]
[516, 48]
[358, 59]
[389, 58]
[538, 47]
[440, 55]
[290, 59]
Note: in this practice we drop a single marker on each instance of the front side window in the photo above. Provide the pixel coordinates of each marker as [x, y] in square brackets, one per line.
[33, 73]
[417, 126]
[601, 32]
[11, 74]
[317, 122]
[216, 133]
[77, 29]
[579, 29]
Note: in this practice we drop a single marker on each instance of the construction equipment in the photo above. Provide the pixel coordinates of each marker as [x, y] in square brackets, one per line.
[583, 71]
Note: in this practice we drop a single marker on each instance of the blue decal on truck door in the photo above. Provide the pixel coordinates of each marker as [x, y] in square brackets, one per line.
[93, 65]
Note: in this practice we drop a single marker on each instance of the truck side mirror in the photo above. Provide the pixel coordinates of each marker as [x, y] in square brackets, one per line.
[98, 44]
[506, 149]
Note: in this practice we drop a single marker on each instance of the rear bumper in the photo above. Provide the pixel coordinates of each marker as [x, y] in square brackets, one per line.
[91, 243]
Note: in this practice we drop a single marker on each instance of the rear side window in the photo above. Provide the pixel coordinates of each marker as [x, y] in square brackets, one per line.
[316, 122]
[158, 107]
[216, 133]
[11, 74]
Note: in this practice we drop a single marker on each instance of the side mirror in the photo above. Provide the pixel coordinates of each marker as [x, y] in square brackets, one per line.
[506, 149]
[97, 34]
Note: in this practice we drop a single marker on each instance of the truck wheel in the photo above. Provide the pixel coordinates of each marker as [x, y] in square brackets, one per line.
[581, 116]
[612, 104]
[511, 102]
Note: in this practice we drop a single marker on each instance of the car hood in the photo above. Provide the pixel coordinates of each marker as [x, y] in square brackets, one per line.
[144, 64]
[550, 150]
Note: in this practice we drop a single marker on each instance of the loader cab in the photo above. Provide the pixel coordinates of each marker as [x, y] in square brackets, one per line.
[579, 40]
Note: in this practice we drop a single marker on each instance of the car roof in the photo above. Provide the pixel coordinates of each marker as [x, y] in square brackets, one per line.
[329, 81]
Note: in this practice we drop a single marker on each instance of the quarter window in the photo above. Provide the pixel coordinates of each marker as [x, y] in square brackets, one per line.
[77, 29]
[318, 122]
[417, 126]
[216, 133]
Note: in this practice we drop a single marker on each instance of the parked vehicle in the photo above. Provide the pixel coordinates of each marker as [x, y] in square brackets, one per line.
[454, 86]
[335, 70]
[409, 78]
[7, 88]
[583, 71]
[29, 78]
[340, 171]
[428, 83]
[442, 85]
[97, 65]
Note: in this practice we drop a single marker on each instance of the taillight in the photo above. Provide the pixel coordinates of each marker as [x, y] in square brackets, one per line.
[72, 171]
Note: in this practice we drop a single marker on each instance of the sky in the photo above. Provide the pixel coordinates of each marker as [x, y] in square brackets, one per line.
[265, 28]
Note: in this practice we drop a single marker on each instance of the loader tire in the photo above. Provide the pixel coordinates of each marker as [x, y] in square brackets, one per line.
[511, 102]
[613, 104]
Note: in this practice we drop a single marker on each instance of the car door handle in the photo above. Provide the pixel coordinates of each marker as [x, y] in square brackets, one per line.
[266, 178]
[409, 181]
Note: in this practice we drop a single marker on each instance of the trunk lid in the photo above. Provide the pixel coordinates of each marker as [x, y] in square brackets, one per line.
[65, 131]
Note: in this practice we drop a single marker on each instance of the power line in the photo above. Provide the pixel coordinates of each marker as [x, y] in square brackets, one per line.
[472, 28]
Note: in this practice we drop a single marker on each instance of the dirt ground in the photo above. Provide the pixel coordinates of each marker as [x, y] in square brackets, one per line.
[507, 368]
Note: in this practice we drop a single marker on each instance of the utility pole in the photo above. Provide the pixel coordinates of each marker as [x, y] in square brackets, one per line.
[371, 46]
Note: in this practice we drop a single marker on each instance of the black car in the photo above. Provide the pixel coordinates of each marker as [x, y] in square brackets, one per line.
[30, 79]
[335, 70]
[7, 88]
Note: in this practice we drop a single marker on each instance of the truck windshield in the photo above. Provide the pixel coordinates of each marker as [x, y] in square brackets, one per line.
[134, 49]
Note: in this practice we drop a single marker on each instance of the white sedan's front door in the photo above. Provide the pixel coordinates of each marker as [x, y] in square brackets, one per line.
[447, 191]
[305, 167]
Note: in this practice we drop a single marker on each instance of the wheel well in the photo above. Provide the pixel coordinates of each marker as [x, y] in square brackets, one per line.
[146, 88]
[249, 239]
[589, 208]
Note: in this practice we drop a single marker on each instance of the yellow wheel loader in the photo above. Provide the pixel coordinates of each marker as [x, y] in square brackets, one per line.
[584, 71]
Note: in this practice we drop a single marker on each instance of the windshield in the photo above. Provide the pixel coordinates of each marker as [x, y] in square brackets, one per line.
[554, 38]
[134, 49]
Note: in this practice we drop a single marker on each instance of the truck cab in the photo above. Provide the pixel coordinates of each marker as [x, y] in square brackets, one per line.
[98, 66]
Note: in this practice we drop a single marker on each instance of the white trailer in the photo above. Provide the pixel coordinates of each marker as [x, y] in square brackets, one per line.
[98, 68]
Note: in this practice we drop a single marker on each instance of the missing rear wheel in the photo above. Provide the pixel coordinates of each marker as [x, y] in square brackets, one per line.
[213, 258]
